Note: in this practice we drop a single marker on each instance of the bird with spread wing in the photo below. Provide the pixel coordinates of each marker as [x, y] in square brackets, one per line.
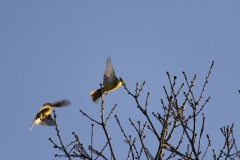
[44, 117]
[110, 82]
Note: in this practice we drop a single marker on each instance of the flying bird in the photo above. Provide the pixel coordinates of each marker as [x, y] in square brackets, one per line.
[44, 117]
[110, 82]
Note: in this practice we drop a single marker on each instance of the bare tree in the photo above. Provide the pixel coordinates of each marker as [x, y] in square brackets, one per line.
[173, 118]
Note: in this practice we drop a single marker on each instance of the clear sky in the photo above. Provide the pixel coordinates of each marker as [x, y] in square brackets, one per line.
[52, 50]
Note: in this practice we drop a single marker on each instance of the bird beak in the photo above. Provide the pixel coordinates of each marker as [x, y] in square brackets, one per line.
[123, 82]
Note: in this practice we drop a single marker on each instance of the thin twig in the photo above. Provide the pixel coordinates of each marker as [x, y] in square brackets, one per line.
[59, 137]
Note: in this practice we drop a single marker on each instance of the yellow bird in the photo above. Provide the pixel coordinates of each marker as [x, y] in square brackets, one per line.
[44, 117]
[110, 82]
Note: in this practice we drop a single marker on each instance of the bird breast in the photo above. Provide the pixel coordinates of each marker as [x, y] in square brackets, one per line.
[112, 87]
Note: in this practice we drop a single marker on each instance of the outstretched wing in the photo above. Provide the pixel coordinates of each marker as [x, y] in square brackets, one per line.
[61, 103]
[48, 121]
[109, 74]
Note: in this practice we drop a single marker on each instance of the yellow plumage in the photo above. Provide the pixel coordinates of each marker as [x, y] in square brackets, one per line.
[110, 82]
[43, 116]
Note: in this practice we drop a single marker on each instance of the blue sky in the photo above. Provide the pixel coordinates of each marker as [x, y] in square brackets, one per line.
[52, 50]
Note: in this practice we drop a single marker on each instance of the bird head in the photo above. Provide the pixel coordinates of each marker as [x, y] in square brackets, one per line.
[120, 79]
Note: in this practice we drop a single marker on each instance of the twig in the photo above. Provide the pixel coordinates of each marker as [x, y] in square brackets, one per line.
[100, 153]
[59, 137]
[105, 130]
[111, 113]
[85, 114]
[92, 140]
[209, 144]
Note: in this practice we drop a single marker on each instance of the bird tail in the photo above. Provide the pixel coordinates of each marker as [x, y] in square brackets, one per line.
[96, 95]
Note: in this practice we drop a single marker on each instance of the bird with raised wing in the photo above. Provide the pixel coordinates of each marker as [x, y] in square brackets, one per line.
[110, 82]
[44, 117]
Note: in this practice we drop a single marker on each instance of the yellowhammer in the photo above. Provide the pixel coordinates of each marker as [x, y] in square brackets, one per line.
[43, 116]
[110, 82]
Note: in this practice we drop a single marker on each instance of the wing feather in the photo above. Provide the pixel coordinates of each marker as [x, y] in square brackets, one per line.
[109, 74]
[34, 120]
[61, 103]
[46, 121]
[32, 124]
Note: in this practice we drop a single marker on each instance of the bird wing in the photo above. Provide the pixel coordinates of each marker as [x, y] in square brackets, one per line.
[45, 111]
[32, 124]
[109, 74]
[61, 103]
[34, 120]
[46, 121]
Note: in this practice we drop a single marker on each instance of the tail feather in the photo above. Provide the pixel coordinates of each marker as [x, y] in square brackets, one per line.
[96, 95]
